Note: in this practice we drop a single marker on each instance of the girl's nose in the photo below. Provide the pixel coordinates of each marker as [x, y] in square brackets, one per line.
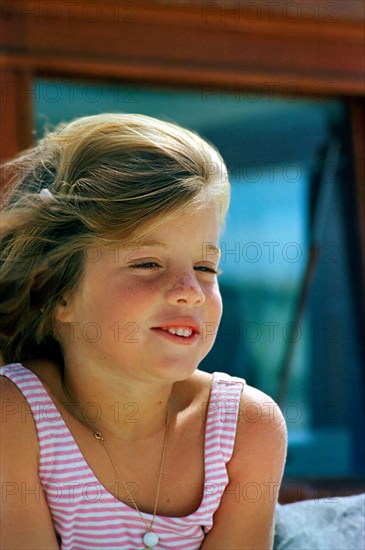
[185, 290]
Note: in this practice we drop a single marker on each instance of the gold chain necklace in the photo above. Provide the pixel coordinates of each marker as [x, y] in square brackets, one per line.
[150, 538]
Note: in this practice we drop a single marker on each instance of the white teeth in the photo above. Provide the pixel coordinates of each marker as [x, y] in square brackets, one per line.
[180, 331]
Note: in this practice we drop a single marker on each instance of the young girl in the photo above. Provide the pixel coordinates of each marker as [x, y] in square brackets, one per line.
[111, 436]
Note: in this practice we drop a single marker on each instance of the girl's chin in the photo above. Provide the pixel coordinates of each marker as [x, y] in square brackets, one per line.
[176, 371]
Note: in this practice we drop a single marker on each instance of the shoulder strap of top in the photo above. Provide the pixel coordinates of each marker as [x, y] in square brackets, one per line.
[28, 383]
[43, 409]
[23, 378]
[54, 438]
[223, 411]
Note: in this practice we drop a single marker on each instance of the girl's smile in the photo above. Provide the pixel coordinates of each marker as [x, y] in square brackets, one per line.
[182, 336]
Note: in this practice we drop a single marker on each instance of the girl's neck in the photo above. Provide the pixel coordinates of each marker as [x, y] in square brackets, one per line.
[125, 410]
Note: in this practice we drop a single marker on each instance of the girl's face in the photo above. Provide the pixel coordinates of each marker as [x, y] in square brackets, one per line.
[131, 299]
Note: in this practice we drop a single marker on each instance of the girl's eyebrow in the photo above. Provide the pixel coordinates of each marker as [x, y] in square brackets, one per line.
[134, 245]
[151, 243]
[211, 247]
[207, 247]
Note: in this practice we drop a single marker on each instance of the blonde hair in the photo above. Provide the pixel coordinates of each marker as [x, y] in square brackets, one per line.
[114, 177]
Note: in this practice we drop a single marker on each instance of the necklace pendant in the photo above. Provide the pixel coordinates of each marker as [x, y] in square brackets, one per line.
[150, 539]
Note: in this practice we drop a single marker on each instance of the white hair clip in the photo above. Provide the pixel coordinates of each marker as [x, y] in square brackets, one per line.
[46, 196]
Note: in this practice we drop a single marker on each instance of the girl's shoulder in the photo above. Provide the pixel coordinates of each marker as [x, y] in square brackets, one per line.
[17, 392]
[257, 411]
[20, 386]
[17, 420]
[218, 388]
[20, 464]
[49, 373]
[259, 418]
[261, 432]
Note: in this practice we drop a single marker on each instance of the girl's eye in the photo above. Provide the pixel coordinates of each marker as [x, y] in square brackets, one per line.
[155, 265]
[209, 270]
[146, 265]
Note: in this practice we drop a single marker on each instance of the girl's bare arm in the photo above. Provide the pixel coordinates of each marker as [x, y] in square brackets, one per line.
[25, 517]
[245, 517]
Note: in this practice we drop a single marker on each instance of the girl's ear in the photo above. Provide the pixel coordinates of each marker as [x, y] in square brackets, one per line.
[62, 311]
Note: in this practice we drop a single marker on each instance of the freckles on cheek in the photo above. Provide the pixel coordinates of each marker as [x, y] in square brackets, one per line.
[132, 296]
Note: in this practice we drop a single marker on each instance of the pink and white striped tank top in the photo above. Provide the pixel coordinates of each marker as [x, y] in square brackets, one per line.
[85, 514]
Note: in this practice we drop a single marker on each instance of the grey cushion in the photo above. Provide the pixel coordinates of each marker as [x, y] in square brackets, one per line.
[336, 523]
